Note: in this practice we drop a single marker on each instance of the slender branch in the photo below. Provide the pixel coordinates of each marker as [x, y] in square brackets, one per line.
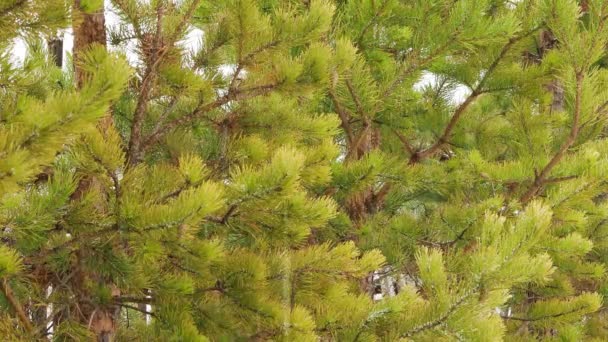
[445, 244]
[241, 94]
[356, 99]
[224, 219]
[559, 179]
[366, 122]
[344, 117]
[127, 306]
[441, 319]
[14, 302]
[161, 119]
[406, 144]
[541, 179]
[158, 54]
[414, 66]
[145, 90]
[540, 318]
[479, 89]
[420, 155]
[371, 22]
[129, 299]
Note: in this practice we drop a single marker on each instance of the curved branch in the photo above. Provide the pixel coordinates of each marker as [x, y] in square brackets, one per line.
[479, 89]
[542, 178]
[14, 302]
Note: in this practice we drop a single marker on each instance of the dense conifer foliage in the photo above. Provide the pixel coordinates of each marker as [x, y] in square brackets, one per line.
[263, 183]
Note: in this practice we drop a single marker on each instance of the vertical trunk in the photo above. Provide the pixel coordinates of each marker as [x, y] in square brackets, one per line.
[89, 29]
[56, 51]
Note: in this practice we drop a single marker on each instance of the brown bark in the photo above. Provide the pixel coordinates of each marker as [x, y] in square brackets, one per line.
[56, 51]
[14, 303]
[89, 29]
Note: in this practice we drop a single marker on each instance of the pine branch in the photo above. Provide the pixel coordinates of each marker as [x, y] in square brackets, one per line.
[356, 99]
[127, 306]
[354, 148]
[12, 8]
[406, 144]
[370, 23]
[14, 302]
[541, 179]
[415, 66]
[160, 50]
[540, 318]
[134, 148]
[344, 117]
[161, 119]
[129, 299]
[479, 89]
[238, 94]
[224, 219]
[445, 244]
[441, 319]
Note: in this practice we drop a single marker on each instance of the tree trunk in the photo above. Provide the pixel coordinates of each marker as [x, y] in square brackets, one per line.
[56, 51]
[89, 29]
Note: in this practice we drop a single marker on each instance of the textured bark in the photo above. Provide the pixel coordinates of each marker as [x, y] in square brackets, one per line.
[89, 29]
[367, 202]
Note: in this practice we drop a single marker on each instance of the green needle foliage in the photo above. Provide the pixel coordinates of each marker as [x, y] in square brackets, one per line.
[254, 186]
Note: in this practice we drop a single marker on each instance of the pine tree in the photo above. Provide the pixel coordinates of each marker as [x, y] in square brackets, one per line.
[198, 201]
[252, 187]
[426, 176]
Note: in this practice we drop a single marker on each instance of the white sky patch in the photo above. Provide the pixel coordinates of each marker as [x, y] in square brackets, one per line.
[430, 79]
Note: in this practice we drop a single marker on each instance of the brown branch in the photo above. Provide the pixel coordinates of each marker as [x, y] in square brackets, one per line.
[129, 299]
[356, 99]
[441, 319]
[135, 150]
[445, 244]
[224, 219]
[161, 119]
[444, 138]
[541, 179]
[241, 94]
[366, 122]
[447, 132]
[344, 117]
[14, 302]
[406, 144]
[559, 179]
[533, 319]
[127, 306]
